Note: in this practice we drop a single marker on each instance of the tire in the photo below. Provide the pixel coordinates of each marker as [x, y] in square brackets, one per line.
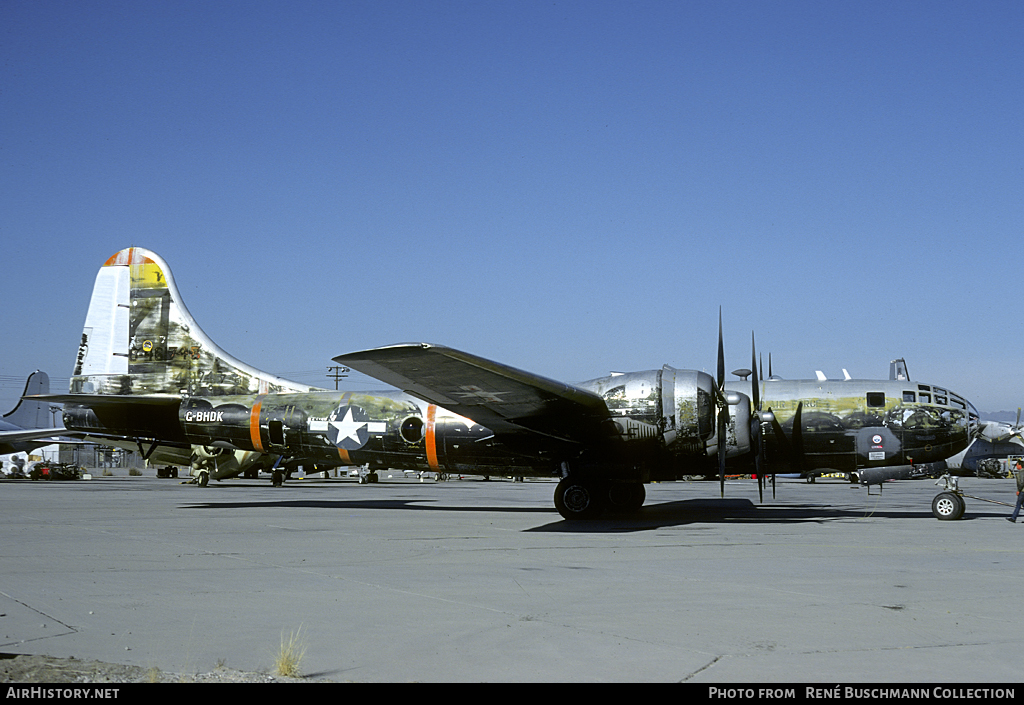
[576, 499]
[948, 506]
[626, 496]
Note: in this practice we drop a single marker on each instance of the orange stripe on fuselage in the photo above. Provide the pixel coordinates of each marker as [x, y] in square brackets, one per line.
[431, 439]
[342, 453]
[254, 424]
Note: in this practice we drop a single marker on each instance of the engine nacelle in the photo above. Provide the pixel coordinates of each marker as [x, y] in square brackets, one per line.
[678, 404]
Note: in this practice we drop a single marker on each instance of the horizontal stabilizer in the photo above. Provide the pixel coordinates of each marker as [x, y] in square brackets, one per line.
[36, 434]
[111, 399]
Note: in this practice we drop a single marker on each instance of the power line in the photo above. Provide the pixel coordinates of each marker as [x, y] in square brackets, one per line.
[337, 373]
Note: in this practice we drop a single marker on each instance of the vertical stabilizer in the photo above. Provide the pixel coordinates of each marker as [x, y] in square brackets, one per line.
[32, 414]
[140, 339]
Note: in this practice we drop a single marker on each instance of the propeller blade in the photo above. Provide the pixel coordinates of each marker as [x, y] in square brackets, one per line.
[756, 432]
[754, 386]
[791, 448]
[721, 449]
[798, 438]
[722, 406]
[721, 354]
[780, 436]
[759, 466]
[755, 420]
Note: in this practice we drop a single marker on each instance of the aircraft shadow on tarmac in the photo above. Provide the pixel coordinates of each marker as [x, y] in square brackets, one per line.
[652, 516]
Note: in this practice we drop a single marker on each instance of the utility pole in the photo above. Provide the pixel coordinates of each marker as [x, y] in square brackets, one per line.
[337, 372]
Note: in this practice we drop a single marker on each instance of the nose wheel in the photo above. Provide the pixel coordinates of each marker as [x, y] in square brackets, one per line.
[948, 506]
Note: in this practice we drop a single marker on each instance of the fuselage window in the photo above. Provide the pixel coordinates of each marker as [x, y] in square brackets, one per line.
[876, 398]
[924, 398]
[909, 396]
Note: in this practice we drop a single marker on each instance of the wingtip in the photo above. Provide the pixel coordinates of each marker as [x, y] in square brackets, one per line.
[397, 347]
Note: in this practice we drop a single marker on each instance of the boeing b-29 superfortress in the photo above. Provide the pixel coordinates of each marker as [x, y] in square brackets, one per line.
[147, 377]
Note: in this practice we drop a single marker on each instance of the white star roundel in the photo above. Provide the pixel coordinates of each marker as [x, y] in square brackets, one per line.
[347, 427]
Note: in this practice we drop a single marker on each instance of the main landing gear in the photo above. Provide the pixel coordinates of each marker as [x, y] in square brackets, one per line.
[588, 499]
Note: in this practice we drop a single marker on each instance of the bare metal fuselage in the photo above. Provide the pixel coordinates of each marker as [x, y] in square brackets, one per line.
[851, 424]
[662, 428]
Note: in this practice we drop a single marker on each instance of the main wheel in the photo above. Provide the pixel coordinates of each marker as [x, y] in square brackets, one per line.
[626, 496]
[948, 506]
[577, 499]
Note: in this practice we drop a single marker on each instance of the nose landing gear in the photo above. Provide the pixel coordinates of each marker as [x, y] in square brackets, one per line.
[949, 504]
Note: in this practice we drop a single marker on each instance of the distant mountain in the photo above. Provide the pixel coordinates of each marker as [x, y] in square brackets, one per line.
[1004, 416]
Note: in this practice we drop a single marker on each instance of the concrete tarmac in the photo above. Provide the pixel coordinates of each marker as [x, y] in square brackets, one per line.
[468, 581]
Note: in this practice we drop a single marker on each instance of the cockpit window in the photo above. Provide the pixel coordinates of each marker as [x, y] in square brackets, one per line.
[876, 398]
[924, 398]
[909, 396]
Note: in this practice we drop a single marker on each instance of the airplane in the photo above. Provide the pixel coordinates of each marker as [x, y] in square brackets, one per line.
[147, 376]
[995, 441]
[29, 424]
[609, 436]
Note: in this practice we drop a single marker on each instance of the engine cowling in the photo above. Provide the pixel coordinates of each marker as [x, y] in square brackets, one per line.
[677, 405]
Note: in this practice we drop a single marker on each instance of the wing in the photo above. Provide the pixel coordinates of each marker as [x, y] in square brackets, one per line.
[502, 398]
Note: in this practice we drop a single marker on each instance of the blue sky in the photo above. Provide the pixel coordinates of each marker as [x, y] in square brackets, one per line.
[566, 187]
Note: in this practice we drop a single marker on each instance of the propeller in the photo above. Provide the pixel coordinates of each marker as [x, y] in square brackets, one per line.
[755, 424]
[723, 407]
[792, 449]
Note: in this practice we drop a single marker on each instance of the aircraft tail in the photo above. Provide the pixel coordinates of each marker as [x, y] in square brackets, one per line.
[139, 339]
[29, 414]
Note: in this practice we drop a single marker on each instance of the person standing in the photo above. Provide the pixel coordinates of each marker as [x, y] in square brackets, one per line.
[1018, 474]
